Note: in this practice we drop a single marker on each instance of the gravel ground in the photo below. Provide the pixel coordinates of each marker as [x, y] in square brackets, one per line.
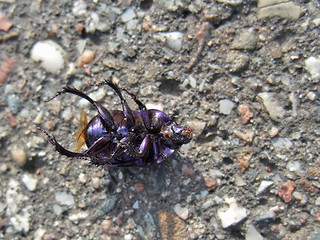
[243, 74]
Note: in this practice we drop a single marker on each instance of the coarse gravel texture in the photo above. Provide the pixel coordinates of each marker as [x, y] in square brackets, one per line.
[251, 172]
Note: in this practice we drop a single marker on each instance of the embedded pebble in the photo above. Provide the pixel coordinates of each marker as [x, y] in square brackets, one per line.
[245, 40]
[295, 166]
[252, 233]
[107, 205]
[263, 187]
[246, 136]
[273, 131]
[64, 198]
[233, 214]
[313, 66]
[275, 110]
[285, 10]
[13, 103]
[19, 155]
[231, 2]
[245, 113]
[57, 209]
[136, 205]
[50, 54]
[39, 118]
[128, 15]
[30, 182]
[86, 57]
[174, 40]
[148, 219]
[95, 182]
[67, 114]
[317, 202]
[280, 143]
[182, 212]
[39, 233]
[311, 96]
[236, 61]
[78, 216]
[225, 106]
[79, 8]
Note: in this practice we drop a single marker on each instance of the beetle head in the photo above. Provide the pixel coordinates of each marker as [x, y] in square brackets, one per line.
[176, 135]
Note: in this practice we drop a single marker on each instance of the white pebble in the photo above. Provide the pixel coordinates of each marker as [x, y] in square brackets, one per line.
[30, 182]
[174, 40]
[182, 212]
[273, 107]
[79, 8]
[128, 15]
[233, 214]
[19, 155]
[64, 198]
[50, 54]
[311, 96]
[225, 106]
[313, 67]
[263, 186]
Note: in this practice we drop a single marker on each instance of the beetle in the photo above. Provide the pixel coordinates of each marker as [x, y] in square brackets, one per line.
[124, 138]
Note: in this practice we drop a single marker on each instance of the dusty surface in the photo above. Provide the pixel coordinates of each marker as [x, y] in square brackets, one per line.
[230, 56]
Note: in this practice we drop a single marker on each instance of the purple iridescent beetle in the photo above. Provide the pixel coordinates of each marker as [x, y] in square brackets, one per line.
[125, 138]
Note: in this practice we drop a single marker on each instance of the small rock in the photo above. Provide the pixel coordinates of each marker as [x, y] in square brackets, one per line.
[210, 183]
[245, 113]
[13, 103]
[273, 131]
[39, 118]
[187, 171]
[79, 8]
[311, 96]
[30, 182]
[67, 115]
[138, 187]
[39, 233]
[86, 57]
[252, 233]
[237, 61]
[301, 197]
[57, 209]
[233, 214]
[19, 155]
[245, 40]
[275, 110]
[64, 198]
[174, 40]
[128, 15]
[285, 10]
[50, 54]
[280, 143]
[76, 217]
[245, 136]
[225, 106]
[313, 66]
[151, 227]
[95, 181]
[263, 187]
[285, 192]
[182, 212]
[107, 205]
[136, 205]
[231, 2]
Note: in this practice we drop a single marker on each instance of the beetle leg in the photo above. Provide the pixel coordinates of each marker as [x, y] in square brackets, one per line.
[143, 110]
[126, 109]
[61, 149]
[103, 112]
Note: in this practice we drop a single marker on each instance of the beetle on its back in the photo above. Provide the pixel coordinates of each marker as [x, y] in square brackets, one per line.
[125, 138]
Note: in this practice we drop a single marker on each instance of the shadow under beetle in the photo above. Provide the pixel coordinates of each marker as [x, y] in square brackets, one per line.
[124, 138]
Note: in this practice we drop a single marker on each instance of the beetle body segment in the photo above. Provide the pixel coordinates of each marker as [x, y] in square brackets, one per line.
[125, 138]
